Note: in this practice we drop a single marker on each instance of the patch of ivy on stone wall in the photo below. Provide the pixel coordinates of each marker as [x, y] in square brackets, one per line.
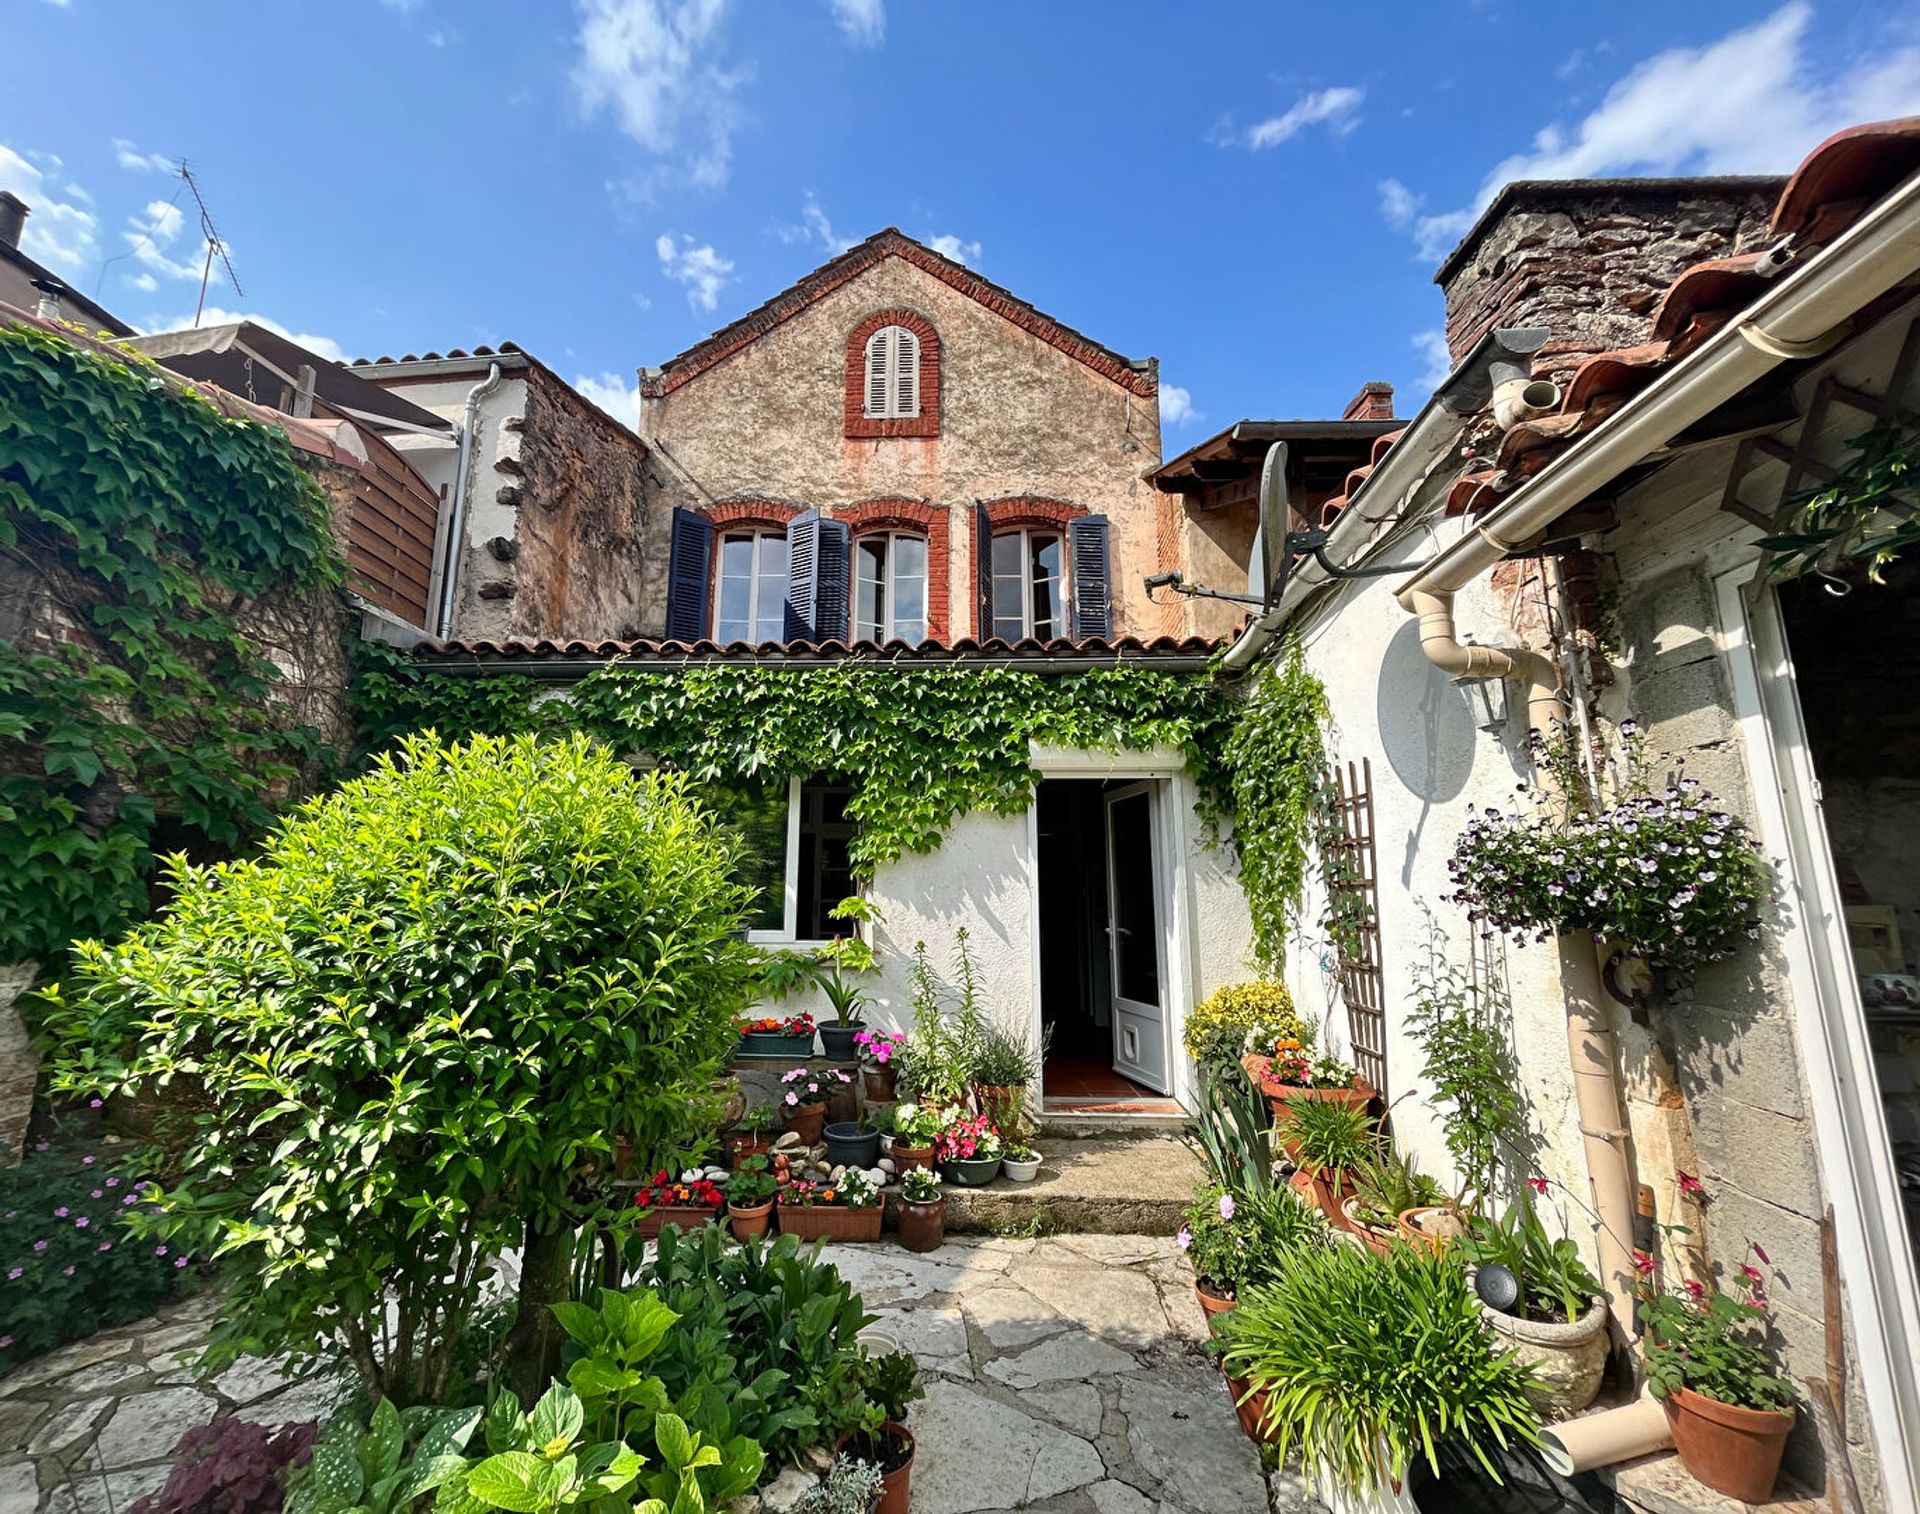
[137, 525]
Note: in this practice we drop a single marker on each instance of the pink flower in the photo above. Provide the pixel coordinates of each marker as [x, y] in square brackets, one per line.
[179, 1261]
[106, 1245]
[60, 1213]
[1538, 1185]
[1752, 1274]
[5, 1341]
[1642, 1263]
[1691, 1186]
[1759, 1253]
[1226, 1206]
[14, 1273]
[1184, 1239]
[82, 1223]
[159, 1250]
[1696, 1289]
[67, 1271]
[39, 1245]
[95, 1103]
[793, 1098]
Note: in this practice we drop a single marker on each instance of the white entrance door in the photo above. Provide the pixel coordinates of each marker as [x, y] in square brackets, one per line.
[1135, 920]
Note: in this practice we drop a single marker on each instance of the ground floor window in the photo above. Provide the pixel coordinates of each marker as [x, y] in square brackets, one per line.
[794, 837]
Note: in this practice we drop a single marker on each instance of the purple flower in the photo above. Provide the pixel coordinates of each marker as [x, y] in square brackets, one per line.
[179, 1261]
[14, 1274]
[96, 1194]
[1184, 1239]
[88, 1161]
[82, 1223]
[5, 1341]
[1226, 1206]
[113, 1182]
[67, 1271]
[60, 1213]
[39, 1245]
[106, 1245]
[159, 1250]
[95, 1103]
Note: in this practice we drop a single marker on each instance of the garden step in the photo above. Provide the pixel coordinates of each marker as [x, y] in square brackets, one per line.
[1098, 1185]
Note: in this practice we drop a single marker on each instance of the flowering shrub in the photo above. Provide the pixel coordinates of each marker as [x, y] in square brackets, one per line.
[1714, 1343]
[1667, 875]
[774, 1025]
[805, 1086]
[1295, 1067]
[920, 1187]
[878, 1047]
[1238, 1017]
[71, 1255]
[665, 1192]
[967, 1138]
[854, 1190]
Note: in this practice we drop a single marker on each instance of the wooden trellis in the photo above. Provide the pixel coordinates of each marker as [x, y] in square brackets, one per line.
[1354, 893]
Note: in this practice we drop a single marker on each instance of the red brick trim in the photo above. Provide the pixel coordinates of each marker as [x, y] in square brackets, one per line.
[744, 332]
[1016, 512]
[927, 422]
[761, 514]
[912, 515]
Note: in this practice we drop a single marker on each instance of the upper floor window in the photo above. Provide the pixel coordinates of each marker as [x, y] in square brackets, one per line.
[893, 374]
[1029, 585]
[890, 587]
[750, 602]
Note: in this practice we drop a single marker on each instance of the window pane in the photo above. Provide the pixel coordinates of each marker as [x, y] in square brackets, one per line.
[1009, 586]
[734, 604]
[770, 593]
[756, 813]
[910, 588]
[1046, 585]
[870, 590]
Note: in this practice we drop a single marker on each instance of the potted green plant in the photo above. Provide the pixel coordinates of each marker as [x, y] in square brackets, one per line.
[852, 1486]
[879, 1062]
[916, 1127]
[750, 1193]
[1386, 1185]
[849, 1210]
[803, 1100]
[1292, 1076]
[890, 1383]
[832, 963]
[851, 1143]
[923, 1210]
[1005, 1064]
[1709, 1361]
[1329, 1141]
[1365, 1364]
[1222, 1027]
[776, 1036]
[753, 1135]
[968, 1150]
[1215, 1247]
[1558, 1323]
[1021, 1164]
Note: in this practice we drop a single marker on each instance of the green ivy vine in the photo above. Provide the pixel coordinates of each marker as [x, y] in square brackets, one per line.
[1865, 513]
[1277, 762]
[137, 525]
[923, 745]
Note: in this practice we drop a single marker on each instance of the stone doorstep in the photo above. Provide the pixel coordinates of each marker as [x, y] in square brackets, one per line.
[1098, 1185]
[1660, 1485]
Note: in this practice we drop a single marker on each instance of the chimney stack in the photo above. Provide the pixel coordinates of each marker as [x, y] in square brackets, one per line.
[13, 218]
[1374, 402]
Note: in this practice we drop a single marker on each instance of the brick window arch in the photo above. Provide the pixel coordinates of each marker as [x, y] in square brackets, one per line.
[728, 572]
[926, 422]
[1039, 567]
[873, 518]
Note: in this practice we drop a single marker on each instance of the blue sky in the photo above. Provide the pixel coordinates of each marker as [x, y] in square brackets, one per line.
[1256, 193]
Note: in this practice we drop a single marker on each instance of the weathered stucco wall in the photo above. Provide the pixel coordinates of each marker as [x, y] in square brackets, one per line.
[1018, 417]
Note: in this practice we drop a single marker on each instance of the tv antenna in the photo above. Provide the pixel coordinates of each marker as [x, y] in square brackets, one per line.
[214, 245]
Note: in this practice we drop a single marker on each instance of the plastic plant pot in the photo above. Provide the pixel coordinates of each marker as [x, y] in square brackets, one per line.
[851, 1144]
[772, 1043]
[836, 1040]
[1020, 1172]
[970, 1172]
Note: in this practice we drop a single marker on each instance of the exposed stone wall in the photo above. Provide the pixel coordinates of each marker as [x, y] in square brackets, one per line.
[1018, 418]
[19, 1063]
[1591, 261]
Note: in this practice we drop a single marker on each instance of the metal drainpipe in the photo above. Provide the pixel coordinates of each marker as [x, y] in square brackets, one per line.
[1589, 1041]
[456, 524]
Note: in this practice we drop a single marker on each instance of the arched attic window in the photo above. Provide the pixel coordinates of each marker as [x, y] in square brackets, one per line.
[893, 375]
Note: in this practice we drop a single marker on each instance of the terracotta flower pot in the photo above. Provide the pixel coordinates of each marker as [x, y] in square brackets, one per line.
[742, 1144]
[997, 1102]
[1567, 1360]
[749, 1221]
[880, 1083]
[922, 1226]
[1429, 1227]
[1249, 1407]
[805, 1121]
[831, 1222]
[1211, 1303]
[895, 1482]
[1732, 1450]
[843, 1103]
[1326, 1188]
[686, 1216]
[906, 1158]
[1379, 1238]
[1279, 1095]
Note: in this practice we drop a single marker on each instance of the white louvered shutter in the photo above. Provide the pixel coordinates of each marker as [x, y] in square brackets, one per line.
[879, 349]
[906, 372]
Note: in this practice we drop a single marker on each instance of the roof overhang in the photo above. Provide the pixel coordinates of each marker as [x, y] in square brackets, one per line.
[1240, 449]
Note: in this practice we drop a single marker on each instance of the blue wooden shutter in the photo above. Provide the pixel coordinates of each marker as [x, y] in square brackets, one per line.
[817, 566]
[689, 576]
[1092, 605]
[982, 572]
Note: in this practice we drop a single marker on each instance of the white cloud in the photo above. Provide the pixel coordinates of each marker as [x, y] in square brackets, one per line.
[213, 315]
[59, 233]
[1436, 363]
[864, 21]
[129, 156]
[953, 247]
[1176, 407]
[1337, 109]
[146, 283]
[1754, 101]
[814, 226]
[613, 394]
[700, 268]
[653, 66]
[153, 232]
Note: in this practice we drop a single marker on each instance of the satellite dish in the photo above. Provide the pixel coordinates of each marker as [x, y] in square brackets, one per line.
[1267, 565]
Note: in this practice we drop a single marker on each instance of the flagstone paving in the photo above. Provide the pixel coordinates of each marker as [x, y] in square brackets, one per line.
[1062, 1374]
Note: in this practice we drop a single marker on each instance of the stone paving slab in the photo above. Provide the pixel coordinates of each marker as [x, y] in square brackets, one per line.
[1063, 1373]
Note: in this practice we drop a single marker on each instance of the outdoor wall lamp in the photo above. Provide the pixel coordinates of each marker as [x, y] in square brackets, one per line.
[1487, 698]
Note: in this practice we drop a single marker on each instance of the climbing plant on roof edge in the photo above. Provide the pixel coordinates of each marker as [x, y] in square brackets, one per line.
[137, 522]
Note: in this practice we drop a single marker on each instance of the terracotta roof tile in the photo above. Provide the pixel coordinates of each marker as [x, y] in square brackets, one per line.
[667, 651]
[1846, 172]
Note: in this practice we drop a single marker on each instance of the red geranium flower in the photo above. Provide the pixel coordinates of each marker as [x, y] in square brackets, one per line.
[1691, 1186]
[1538, 1185]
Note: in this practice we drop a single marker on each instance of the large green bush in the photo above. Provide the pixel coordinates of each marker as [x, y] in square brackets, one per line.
[417, 1021]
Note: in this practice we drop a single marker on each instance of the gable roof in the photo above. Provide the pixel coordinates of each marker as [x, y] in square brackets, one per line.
[1141, 376]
